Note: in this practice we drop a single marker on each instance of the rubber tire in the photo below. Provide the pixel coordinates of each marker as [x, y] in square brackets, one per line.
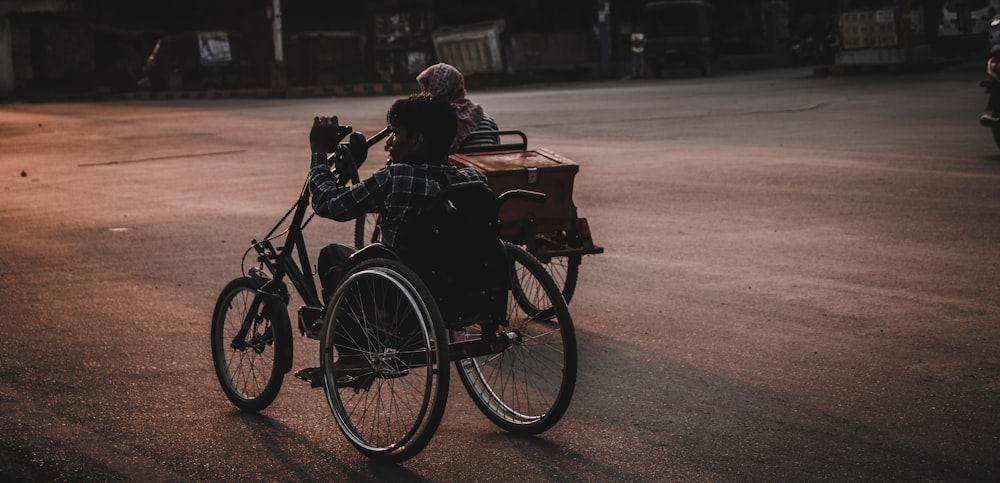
[490, 380]
[242, 389]
[417, 426]
[565, 271]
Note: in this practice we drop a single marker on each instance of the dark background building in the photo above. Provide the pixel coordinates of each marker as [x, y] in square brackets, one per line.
[85, 45]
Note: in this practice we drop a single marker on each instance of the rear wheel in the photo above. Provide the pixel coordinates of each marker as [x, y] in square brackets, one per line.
[526, 388]
[565, 269]
[384, 357]
[250, 338]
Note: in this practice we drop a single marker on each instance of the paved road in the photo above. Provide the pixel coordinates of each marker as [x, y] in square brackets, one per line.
[800, 283]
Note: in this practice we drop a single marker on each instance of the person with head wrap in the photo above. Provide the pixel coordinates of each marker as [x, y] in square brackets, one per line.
[444, 80]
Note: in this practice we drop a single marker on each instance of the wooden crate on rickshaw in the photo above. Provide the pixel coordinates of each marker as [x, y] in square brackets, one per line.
[551, 229]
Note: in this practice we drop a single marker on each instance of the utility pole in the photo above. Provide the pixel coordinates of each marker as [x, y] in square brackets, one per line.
[278, 76]
[906, 24]
[604, 35]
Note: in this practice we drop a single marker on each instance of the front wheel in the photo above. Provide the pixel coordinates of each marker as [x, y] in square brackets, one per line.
[251, 341]
[996, 135]
[526, 388]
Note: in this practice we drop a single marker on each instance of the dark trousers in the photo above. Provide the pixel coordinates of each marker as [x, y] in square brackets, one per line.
[330, 266]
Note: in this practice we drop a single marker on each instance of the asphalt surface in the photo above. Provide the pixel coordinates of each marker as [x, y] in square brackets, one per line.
[799, 284]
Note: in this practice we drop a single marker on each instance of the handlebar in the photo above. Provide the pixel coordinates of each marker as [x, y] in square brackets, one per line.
[379, 136]
[349, 156]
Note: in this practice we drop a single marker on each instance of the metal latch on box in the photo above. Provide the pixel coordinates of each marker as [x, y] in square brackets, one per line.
[532, 175]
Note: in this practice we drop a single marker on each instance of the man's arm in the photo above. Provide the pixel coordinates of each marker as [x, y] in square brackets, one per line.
[329, 198]
[343, 203]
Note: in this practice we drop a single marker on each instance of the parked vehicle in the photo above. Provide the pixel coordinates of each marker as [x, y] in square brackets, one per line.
[209, 59]
[678, 32]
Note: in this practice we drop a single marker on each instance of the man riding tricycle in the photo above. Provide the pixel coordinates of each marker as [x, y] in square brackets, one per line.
[441, 286]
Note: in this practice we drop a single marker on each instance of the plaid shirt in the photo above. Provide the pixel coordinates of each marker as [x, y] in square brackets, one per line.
[397, 191]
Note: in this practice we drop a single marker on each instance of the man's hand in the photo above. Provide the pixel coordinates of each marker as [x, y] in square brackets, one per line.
[344, 167]
[326, 133]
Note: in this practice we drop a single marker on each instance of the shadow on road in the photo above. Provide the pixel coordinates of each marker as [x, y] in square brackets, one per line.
[293, 448]
[700, 419]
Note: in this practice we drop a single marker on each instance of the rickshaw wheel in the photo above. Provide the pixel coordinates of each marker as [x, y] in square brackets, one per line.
[564, 271]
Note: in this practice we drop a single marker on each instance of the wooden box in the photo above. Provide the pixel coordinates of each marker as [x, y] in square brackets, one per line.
[534, 170]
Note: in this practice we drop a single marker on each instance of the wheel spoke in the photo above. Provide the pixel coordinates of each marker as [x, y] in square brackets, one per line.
[527, 387]
[382, 312]
[246, 365]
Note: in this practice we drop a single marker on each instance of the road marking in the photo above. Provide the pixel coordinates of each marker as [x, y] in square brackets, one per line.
[159, 158]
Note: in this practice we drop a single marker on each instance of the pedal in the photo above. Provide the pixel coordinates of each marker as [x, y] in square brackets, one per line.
[312, 375]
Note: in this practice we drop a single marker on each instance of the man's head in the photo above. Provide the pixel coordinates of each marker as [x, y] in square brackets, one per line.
[423, 129]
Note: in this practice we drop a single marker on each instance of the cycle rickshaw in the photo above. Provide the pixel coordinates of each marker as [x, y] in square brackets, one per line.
[511, 337]
[552, 231]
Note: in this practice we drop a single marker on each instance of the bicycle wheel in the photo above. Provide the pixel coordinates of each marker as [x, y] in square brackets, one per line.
[564, 271]
[250, 339]
[384, 356]
[527, 388]
[366, 230]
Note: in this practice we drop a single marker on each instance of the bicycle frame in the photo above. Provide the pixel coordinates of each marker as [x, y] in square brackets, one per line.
[280, 262]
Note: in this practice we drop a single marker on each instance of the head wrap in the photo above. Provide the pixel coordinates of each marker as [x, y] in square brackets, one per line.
[446, 81]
